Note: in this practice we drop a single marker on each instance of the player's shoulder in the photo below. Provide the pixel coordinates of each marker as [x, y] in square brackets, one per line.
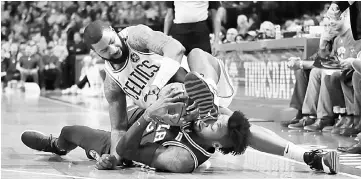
[184, 162]
[134, 30]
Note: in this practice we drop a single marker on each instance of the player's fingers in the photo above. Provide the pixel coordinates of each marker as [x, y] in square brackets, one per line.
[172, 116]
[174, 93]
[174, 105]
[99, 166]
[192, 106]
[191, 116]
[105, 161]
[180, 98]
[95, 155]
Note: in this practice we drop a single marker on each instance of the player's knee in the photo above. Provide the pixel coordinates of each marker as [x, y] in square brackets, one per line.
[315, 73]
[69, 131]
[196, 52]
[196, 58]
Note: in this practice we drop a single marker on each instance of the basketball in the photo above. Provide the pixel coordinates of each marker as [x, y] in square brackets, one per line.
[181, 109]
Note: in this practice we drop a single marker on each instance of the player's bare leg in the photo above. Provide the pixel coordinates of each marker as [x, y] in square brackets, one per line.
[265, 140]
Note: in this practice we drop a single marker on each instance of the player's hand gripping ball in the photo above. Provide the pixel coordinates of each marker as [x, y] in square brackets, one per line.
[178, 109]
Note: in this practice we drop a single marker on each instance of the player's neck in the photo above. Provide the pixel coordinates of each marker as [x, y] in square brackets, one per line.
[200, 141]
[117, 66]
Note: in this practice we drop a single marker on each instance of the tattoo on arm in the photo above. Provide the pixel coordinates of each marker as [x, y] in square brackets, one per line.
[143, 38]
[117, 104]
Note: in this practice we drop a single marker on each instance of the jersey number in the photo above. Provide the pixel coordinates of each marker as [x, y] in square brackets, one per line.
[160, 133]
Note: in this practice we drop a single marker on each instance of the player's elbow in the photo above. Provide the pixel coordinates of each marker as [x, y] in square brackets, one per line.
[174, 49]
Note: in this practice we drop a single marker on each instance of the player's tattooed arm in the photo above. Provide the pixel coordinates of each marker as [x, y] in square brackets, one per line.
[144, 38]
[117, 111]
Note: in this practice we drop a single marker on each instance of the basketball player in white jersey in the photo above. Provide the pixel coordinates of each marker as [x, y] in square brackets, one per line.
[139, 62]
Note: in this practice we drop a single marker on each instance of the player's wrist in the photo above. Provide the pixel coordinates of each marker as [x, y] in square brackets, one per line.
[146, 116]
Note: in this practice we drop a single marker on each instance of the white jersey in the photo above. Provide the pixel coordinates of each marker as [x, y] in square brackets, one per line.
[137, 74]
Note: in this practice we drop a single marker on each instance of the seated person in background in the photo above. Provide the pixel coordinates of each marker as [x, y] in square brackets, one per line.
[92, 74]
[350, 83]
[317, 99]
[268, 30]
[5, 59]
[239, 38]
[344, 89]
[230, 36]
[356, 81]
[302, 70]
[302, 73]
[29, 64]
[8, 64]
[51, 70]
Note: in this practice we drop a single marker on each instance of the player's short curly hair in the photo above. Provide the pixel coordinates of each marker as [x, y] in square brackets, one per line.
[238, 132]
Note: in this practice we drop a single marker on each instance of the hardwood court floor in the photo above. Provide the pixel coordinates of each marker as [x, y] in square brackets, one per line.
[21, 112]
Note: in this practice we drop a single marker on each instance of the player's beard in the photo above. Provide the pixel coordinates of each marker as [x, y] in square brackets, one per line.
[125, 53]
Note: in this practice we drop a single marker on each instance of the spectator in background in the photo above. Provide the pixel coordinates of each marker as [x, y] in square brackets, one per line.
[5, 58]
[317, 99]
[4, 32]
[54, 40]
[90, 75]
[8, 64]
[230, 36]
[302, 75]
[29, 64]
[40, 41]
[76, 47]
[55, 31]
[51, 70]
[356, 82]
[239, 39]
[242, 25]
[253, 22]
[268, 29]
[306, 25]
[137, 15]
[56, 17]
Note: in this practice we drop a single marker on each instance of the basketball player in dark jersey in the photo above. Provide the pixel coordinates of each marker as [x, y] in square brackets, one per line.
[150, 142]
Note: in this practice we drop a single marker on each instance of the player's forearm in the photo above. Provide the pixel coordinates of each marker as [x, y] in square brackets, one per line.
[118, 117]
[130, 142]
[115, 136]
[216, 18]
[118, 126]
[173, 54]
[168, 21]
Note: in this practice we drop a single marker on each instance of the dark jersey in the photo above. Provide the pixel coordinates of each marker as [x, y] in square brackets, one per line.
[167, 135]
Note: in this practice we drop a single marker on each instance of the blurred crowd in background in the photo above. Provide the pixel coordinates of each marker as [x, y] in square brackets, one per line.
[42, 39]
